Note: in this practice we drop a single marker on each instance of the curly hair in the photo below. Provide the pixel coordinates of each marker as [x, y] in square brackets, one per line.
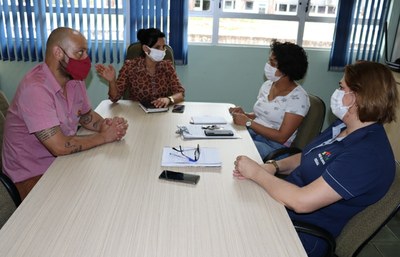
[291, 58]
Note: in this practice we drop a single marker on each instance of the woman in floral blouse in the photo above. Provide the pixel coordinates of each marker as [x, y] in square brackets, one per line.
[148, 78]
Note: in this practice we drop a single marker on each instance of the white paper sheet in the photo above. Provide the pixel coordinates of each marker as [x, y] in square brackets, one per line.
[209, 157]
[207, 119]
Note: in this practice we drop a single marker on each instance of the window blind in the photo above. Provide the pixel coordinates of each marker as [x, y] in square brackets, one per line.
[108, 25]
[32, 21]
[359, 32]
[170, 17]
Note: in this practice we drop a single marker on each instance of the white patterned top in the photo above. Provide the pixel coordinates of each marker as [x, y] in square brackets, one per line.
[270, 113]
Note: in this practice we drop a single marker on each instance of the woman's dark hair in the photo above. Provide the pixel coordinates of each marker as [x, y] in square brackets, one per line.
[375, 89]
[291, 59]
[149, 36]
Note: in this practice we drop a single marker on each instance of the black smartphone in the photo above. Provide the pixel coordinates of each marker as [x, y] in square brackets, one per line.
[218, 132]
[179, 177]
[179, 108]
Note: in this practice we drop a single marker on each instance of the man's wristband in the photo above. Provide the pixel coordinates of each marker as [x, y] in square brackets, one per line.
[273, 162]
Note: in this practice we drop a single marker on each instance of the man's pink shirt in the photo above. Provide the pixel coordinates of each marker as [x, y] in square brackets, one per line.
[38, 104]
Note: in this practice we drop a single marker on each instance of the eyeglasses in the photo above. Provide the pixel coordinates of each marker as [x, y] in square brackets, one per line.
[182, 130]
[196, 153]
[211, 127]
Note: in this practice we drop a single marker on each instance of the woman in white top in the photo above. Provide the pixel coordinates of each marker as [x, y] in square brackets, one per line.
[281, 103]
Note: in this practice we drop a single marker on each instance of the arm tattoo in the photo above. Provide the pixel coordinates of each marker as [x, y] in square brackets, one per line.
[74, 148]
[96, 124]
[89, 121]
[86, 118]
[45, 134]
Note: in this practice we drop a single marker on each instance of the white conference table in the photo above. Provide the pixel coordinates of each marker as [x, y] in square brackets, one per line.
[108, 201]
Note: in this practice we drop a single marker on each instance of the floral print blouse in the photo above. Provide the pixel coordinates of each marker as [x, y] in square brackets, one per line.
[142, 86]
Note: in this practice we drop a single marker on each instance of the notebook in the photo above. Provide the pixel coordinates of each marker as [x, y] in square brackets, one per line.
[150, 108]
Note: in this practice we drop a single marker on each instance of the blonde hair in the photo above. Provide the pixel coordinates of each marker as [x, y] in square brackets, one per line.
[375, 89]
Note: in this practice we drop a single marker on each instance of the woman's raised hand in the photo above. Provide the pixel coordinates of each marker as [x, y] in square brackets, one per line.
[106, 72]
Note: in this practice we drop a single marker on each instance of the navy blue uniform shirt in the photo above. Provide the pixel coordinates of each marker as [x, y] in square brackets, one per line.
[360, 168]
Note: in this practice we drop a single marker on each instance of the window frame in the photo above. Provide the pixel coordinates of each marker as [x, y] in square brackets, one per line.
[216, 12]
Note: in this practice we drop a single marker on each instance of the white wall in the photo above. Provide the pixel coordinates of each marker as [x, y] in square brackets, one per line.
[214, 73]
[218, 73]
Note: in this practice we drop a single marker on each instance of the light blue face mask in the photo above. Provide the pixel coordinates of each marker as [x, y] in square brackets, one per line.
[270, 72]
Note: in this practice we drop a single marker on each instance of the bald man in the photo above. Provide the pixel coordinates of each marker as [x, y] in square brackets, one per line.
[49, 104]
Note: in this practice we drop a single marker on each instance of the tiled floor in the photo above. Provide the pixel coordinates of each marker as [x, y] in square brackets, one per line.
[386, 243]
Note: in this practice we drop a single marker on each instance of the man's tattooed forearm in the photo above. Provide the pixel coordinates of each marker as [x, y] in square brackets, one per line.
[73, 148]
[86, 119]
[96, 124]
[45, 134]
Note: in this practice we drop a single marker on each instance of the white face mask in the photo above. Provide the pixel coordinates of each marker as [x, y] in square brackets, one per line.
[337, 103]
[270, 73]
[156, 55]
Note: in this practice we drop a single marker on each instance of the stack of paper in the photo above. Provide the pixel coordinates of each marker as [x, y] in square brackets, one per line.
[150, 108]
[207, 119]
[209, 157]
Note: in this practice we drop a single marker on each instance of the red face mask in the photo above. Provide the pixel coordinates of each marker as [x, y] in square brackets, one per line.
[78, 69]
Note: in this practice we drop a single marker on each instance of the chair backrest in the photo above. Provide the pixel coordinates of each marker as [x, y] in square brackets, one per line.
[9, 198]
[7, 206]
[135, 50]
[312, 123]
[4, 104]
[2, 123]
[367, 223]
[6, 183]
[12, 190]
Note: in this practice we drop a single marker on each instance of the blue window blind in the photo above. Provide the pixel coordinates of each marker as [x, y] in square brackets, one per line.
[148, 14]
[178, 33]
[108, 25]
[169, 16]
[359, 32]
